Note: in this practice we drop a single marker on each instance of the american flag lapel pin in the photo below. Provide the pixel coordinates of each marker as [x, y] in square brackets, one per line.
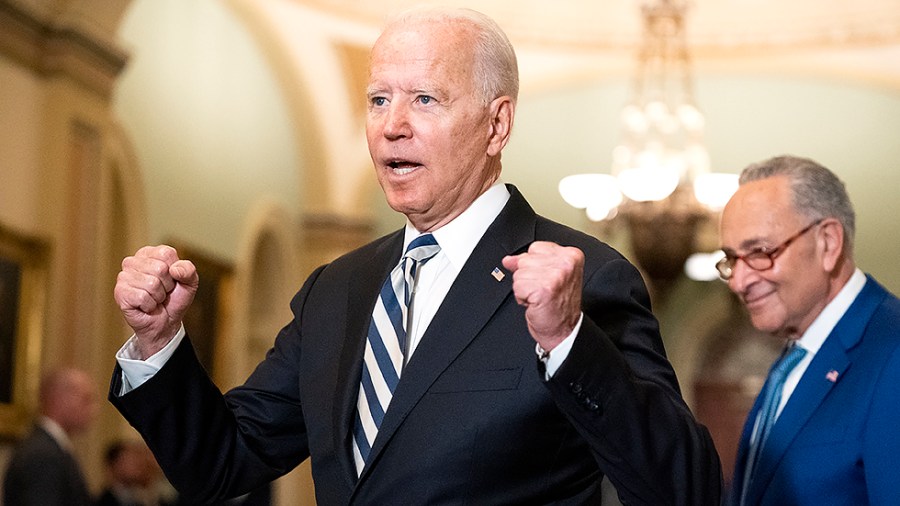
[832, 376]
[498, 274]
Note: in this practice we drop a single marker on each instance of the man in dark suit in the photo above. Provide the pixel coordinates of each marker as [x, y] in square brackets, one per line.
[43, 471]
[788, 238]
[530, 364]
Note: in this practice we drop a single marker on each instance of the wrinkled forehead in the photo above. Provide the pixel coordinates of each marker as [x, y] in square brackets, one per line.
[423, 57]
[759, 210]
[418, 39]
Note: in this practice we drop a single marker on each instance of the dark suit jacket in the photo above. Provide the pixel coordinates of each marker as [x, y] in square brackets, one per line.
[472, 420]
[837, 440]
[41, 473]
[109, 498]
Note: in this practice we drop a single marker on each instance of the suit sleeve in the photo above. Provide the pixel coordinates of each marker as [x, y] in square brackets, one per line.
[211, 446]
[619, 391]
[882, 439]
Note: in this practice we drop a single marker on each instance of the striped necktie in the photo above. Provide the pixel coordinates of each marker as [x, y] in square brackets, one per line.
[387, 346]
[768, 410]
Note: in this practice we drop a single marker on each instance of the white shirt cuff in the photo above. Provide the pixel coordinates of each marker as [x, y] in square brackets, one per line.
[553, 359]
[136, 371]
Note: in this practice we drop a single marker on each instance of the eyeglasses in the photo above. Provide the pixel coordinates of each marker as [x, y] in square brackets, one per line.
[760, 259]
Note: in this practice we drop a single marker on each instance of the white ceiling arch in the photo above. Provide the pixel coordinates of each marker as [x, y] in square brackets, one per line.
[859, 39]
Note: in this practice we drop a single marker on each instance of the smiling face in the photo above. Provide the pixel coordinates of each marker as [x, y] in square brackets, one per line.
[785, 299]
[434, 141]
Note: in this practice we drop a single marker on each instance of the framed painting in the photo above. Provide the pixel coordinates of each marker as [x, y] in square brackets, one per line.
[23, 274]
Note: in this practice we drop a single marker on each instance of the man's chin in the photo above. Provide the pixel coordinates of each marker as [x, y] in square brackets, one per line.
[402, 207]
[764, 323]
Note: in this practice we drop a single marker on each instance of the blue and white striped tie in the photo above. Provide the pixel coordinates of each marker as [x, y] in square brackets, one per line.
[386, 346]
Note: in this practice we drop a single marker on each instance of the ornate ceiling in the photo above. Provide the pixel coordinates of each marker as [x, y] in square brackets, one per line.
[712, 24]
[576, 39]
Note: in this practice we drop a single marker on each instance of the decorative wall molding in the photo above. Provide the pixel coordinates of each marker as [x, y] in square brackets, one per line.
[52, 50]
[327, 236]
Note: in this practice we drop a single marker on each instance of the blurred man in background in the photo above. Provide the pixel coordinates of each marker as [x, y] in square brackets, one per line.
[43, 470]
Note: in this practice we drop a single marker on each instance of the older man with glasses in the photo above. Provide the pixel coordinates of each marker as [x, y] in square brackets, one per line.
[823, 430]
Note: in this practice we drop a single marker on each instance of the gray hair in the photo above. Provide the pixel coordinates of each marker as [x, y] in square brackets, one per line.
[816, 191]
[496, 71]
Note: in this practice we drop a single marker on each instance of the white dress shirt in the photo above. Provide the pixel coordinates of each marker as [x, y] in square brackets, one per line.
[814, 337]
[457, 239]
[56, 432]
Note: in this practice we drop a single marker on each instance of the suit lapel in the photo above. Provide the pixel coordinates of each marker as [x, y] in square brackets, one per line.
[473, 298]
[808, 395]
[362, 291]
[824, 372]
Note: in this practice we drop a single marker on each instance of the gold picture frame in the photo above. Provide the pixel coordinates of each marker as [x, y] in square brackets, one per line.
[23, 275]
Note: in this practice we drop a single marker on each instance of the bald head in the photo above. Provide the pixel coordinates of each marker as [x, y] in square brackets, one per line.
[494, 67]
[67, 396]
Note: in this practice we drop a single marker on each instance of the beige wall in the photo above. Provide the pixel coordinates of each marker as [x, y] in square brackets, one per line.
[65, 167]
[208, 120]
[21, 100]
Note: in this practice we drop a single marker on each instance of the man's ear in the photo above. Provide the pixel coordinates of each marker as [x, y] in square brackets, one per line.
[503, 111]
[831, 242]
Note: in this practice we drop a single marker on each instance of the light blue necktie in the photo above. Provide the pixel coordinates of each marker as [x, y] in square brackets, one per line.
[771, 395]
[387, 346]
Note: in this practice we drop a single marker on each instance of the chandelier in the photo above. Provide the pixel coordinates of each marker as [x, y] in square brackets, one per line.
[660, 184]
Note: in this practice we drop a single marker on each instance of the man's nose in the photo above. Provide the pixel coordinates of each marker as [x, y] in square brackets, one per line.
[741, 275]
[396, 123]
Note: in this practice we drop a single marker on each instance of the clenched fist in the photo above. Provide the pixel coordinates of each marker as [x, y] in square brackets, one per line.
[547, 280]
[154, 290]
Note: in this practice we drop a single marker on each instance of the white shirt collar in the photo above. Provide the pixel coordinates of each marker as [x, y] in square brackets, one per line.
[459, 237]
[821, 327]
[56, 432]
